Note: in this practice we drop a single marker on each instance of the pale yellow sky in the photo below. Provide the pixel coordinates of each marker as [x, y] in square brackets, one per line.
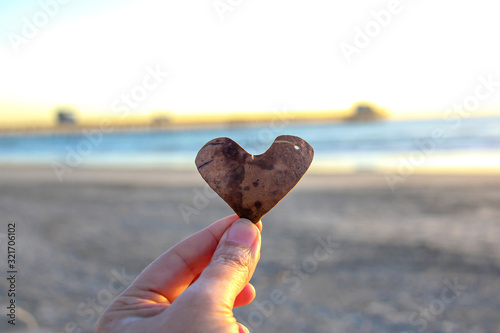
[409, 57]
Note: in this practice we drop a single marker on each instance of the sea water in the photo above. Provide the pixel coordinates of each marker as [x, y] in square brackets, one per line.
[461, 144]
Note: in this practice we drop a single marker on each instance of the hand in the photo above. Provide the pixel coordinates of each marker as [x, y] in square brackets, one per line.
[194, 286]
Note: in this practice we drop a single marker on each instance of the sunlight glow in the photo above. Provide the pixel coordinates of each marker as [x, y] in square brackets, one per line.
[419, 62]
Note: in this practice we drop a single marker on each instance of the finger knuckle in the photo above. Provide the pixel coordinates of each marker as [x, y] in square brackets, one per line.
[239, 261]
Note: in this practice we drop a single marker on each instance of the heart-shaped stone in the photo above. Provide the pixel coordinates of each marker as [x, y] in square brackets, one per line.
[253, 185]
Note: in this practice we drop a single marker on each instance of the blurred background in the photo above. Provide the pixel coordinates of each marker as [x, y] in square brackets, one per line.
[103, 107]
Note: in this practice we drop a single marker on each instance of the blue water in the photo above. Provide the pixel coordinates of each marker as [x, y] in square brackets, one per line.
[361, 144]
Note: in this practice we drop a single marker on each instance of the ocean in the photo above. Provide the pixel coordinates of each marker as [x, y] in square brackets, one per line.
[458, 144]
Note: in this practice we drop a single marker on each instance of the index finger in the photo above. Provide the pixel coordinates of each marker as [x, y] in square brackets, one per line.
[171, 273]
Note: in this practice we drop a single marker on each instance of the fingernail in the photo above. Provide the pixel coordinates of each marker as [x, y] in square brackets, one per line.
[242, 232]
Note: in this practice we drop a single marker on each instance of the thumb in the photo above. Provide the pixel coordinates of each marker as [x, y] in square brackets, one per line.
[233, 263]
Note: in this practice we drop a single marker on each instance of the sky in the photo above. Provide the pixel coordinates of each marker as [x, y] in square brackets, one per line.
[417, 57]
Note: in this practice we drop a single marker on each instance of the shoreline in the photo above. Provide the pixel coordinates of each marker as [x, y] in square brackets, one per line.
[150, 176]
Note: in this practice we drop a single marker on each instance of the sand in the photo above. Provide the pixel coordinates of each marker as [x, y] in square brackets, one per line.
[341, 253]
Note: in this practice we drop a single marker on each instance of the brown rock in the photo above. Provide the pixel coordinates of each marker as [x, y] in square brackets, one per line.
[253, 185]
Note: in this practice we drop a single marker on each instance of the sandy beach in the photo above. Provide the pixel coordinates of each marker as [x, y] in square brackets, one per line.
[347, 253]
